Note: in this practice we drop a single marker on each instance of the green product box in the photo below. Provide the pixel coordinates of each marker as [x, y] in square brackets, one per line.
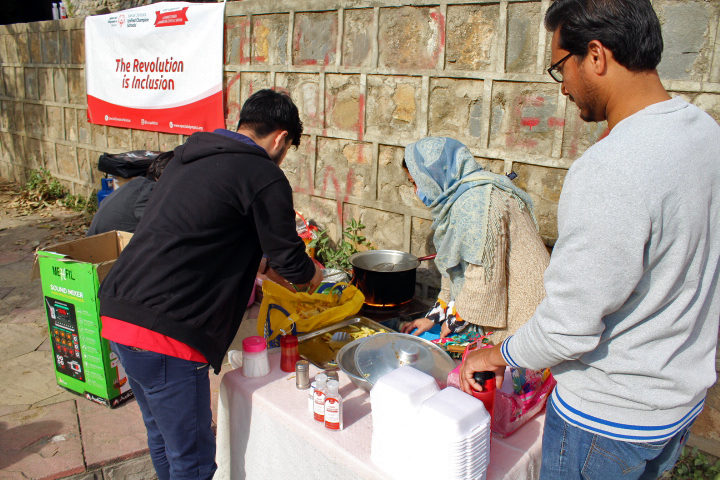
[70, 274]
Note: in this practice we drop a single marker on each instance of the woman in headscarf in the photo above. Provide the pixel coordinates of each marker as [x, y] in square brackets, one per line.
[489, 252]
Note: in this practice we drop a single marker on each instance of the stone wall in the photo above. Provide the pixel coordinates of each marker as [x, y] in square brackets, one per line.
[369, 77]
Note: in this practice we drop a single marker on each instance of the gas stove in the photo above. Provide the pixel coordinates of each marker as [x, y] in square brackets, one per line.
[391, 317]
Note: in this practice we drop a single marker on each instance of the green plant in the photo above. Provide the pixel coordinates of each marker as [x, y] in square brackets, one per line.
[42, 189]
[694, 465]
[337, 255]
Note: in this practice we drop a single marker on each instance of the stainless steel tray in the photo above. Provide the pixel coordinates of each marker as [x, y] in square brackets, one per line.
[313, 347]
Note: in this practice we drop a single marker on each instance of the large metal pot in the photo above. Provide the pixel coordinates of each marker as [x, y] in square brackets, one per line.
[385, 277]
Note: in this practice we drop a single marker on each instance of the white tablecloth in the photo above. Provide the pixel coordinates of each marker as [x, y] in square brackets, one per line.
[265, 431]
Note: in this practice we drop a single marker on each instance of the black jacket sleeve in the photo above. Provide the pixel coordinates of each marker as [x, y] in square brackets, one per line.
[275, 222]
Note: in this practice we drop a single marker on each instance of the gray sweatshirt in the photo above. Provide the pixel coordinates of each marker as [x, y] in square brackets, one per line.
[630, 321]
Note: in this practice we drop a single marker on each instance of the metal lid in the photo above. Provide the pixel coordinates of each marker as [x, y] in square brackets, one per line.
[384, 260]
[384, 352]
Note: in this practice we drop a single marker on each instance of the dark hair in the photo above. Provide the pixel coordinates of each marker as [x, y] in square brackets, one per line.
[269, 110]
[158, 165]
[630, 29]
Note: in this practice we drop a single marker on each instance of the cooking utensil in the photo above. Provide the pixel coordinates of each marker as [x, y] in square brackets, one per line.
[346, 362]
[338, 339]
[385, 277]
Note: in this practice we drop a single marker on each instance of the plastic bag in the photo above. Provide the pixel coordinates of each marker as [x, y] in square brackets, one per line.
[128, 164]
[531, 389]
[299, 312]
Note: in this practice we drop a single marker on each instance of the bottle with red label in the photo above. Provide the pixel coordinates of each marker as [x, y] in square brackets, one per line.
[487, 396]
[319, 397]
[333, 406]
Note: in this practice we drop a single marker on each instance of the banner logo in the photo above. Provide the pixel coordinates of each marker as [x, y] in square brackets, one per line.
[170, 19]
[121, 20]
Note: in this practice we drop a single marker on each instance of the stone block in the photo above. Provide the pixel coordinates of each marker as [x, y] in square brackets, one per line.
[77, 47]
[322, 212]
[315, 38]
[167, 141]
[31, 83]
[48, 152]
[523, 117]
[55, 128]
[119, 138]
[84, 128]
[2, 82]
[421, 238]
[579, 135]
[305, 91]
[5, 114]
[688, 46]
[71, 129]
[140, 468]
[493, 165]
[76, 86]
[34, 47]
[45, 86]
[237, 51]
[33, 153]
[67, 163]
[393, 184]
[358, 37]
[96, 174]
[299, 165]
[20, 82]
[270, 39]
[3, 50]
[22, 48]
[11, 48]
[86, 160]
[50, 47]
[456, 109]
[232, 106]
[34, 114]
[97, 475]
[709, 102]
[393, 106]
[18, 117]
[344, 168]
[8, 149]
[61, 85]
[385, 230]
[707, 424]
[5, 171]
[251, 82]
[524, 24]
[544, 185]
[345, 103]
[471, 36]
[98, 136]
[410, 37]
[64, 47]
[9, 81]
[142, 140]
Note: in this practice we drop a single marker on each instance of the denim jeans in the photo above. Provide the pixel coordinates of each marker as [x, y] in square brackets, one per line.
[174, 398]
[569, 452]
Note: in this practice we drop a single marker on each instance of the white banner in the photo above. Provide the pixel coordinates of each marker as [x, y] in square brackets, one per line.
[158, 67]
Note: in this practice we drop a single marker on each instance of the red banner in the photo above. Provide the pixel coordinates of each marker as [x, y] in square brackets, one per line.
[169, 19]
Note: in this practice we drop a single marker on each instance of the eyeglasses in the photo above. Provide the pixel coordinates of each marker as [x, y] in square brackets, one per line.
[553, 70]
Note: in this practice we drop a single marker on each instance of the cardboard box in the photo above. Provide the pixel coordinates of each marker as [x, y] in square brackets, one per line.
[71, 273]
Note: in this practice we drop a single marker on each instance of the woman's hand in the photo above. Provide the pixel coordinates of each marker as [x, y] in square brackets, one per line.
[445, 330]
[482, 360]
[422, 325]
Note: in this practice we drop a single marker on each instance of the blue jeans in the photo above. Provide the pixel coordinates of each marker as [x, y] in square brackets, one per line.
[174, 398]
[569, 452]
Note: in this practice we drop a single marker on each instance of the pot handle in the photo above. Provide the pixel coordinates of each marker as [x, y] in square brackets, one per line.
[428, 257]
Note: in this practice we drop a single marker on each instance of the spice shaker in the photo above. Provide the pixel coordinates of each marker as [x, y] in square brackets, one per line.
[302, 374]
[288, 353]
[255, 357]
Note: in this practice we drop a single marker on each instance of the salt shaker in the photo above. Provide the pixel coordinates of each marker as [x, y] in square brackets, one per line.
[302, 374]
[255, 357]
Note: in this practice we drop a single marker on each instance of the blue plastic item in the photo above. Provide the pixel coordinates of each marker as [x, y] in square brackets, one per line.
[432, 334]
[105, 190]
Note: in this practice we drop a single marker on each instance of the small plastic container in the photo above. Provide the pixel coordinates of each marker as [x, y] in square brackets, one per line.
[255, 357]
[289, 355]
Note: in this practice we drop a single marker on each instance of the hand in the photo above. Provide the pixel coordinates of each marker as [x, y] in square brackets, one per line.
[482, 360]
[422, 325]
[317, 278]
[445, 330]
[275, 277]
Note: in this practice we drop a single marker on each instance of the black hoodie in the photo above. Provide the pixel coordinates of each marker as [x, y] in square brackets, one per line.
[189, 269]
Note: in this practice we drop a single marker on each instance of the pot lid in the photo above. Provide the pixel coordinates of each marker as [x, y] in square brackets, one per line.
[384, 352]
[384, 260]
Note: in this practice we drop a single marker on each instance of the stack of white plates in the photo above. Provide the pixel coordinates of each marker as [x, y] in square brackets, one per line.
[420, 432]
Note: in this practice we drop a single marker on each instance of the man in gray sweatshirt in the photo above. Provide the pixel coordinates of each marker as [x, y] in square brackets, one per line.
[629, 325]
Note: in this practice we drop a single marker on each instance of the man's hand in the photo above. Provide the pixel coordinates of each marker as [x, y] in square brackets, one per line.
[482, 360]
[317, 278]
[422, 325]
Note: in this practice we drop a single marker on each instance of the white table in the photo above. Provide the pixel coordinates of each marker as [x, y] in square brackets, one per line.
[265, 431]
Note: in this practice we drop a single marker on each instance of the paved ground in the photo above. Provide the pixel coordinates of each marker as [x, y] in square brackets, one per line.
[47, 432]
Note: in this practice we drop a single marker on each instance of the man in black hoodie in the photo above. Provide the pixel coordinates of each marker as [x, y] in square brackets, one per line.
[173, 302]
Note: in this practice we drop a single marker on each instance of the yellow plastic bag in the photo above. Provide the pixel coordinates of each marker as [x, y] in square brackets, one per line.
[298, 312]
